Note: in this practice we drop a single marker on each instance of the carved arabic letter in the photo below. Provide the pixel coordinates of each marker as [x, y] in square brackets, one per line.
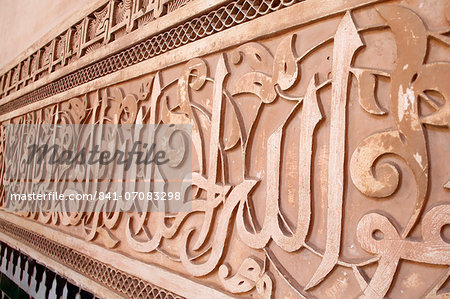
[257, 82]
[346, 42]
[200, 269]
[154, 97]
[377, 235]
[200, 67]
[260, 239]
[214, 149]
[244, 280]
[387, 247]
[411, 51]
[408, 141]
[250, 275]
[285, 67]
[256, 54]
[366, 90]
[311, 116]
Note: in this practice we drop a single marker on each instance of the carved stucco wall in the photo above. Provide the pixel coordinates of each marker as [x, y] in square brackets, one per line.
[24, 22]
[321, 136]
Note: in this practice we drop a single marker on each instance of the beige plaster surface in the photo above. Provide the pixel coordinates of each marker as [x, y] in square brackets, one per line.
[23, 22]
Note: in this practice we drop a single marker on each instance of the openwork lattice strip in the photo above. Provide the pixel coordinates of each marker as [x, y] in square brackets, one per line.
[118, 280]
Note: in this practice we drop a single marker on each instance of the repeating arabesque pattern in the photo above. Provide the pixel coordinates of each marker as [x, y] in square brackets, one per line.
[223, 132]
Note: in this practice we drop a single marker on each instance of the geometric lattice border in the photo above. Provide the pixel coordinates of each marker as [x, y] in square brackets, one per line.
[224, 17]
[127, 285]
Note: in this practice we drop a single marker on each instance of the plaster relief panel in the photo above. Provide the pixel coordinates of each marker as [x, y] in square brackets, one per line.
[319, 152]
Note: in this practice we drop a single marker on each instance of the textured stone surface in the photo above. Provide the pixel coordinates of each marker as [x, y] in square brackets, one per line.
[321, 137]
[24, 22]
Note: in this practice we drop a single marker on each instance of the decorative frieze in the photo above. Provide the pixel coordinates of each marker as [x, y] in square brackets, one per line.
[319, 148]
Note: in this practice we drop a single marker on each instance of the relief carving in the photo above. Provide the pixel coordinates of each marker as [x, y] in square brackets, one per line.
[107, 23]
[262, 118]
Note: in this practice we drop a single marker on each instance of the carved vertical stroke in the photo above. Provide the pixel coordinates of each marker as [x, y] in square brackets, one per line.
[311, 116]
[200, 67]
[285, 74]
[346, 42]
[214, 149]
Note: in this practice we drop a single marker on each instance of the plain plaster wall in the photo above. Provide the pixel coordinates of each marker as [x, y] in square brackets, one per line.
[23, 22]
